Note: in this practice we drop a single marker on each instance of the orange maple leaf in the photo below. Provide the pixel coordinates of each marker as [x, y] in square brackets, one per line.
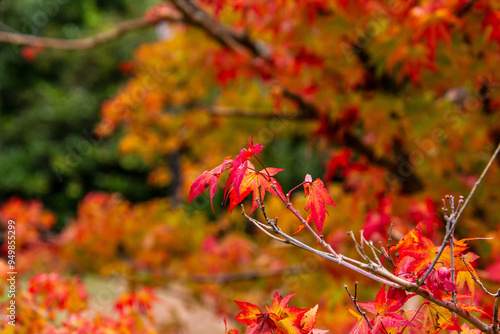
[386, 307]
[279, 318]
[256, 182]
[416, 253]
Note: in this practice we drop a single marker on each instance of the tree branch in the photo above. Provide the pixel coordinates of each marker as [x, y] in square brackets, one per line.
[226, 36]
[240, 42]
[88, 42]
[378, 274]
[354, 300]
[456, 215]
[327, 256]
[252, 113]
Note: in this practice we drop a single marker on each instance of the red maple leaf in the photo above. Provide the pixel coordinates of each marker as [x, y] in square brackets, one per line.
[415, 252]
[207, 179]
[317, 199]
[239, 167]
[256, 182]
[386, 304]
[387, 301]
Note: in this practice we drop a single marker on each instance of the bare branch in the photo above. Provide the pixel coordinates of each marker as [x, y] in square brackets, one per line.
[476, 280]
[222, 34]
[359, 247]
[261, 226]
[84, 43]
[252, 113]
[454, 217]
[355, 302]
[375, 255]
[494, 325]
[393, 281]
[378, 274]
[242, 43]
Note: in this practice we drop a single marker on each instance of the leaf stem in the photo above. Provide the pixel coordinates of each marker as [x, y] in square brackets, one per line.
[290, 192]
[260, 162]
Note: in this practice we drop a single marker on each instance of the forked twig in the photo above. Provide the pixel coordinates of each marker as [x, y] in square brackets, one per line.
[359, 247]
[453, 222]
[476, 280]
[327, 255]
[355, 302]
[375, 255]
[374, 273]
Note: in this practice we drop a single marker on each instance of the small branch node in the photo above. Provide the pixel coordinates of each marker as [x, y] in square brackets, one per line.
[355, 303]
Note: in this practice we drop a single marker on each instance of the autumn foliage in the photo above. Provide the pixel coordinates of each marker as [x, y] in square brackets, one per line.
[378, 119]
[453, 278]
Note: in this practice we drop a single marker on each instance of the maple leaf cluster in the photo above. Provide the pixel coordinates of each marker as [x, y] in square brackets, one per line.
[244, 179]
[278, 318]
[415, 252]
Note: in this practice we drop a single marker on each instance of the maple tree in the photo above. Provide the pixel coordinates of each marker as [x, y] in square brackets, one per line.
[389, 105]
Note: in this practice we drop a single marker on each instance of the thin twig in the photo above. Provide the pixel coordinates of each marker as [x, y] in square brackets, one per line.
[355, 302]
[387, 252]
[335, 257]
[449, 219]
[359, 247]
[258, 224]
[375, 255]
[474, 278]
[494, 324]
[456, 217]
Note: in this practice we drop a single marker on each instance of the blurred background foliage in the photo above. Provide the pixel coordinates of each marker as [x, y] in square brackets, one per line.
[49, 107]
